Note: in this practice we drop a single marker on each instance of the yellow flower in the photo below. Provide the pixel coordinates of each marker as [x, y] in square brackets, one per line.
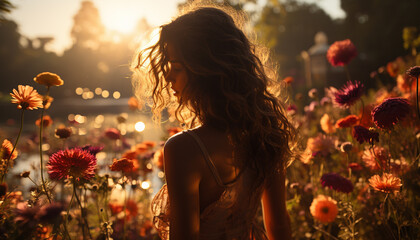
[327, 124]
[26, 97]
[48, 79]
[387, 183]
[324, 209]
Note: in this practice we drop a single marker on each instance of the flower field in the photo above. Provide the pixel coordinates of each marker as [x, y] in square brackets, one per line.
[357, 175]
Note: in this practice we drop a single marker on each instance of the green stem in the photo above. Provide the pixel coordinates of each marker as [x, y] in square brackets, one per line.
[349, 169]
[372, 151]
[14, 146]
[33, 181]
[81, 209]
[106, 200]
[67, 215]
[347, 72]
[325, 232]
[125, 206]
[40, 149]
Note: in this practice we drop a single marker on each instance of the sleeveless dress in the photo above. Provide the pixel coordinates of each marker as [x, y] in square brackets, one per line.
[230, 217]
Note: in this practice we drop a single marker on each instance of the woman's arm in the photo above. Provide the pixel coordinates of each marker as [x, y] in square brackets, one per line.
[182, 179]
[276, 218]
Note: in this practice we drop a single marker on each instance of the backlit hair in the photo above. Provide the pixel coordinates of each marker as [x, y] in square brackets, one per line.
[230, 86]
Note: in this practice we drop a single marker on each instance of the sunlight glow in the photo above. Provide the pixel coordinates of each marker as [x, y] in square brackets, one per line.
[140, 126]
[119, 21]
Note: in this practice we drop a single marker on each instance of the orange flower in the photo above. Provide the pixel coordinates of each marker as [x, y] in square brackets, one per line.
[47, 101]
[46, 122]
[174, 130]
[324, 209]
[133, 104]
[288, 80]
[346, 122]
[48, 79]
[387, 183]
[366, 119]
[326, 124]
[141, 148]
[115, 207]
[392, 69]
[6, 150]
[123, 164]
[131, 208]
[26, 97]
[149, 144]
[375, 158]
[130, 154]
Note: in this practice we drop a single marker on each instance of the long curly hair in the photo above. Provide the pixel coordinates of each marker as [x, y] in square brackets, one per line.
[231, 86]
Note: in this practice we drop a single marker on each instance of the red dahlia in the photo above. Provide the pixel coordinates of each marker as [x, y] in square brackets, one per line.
[362, 134]
[336, 182]
[341, 53]
[74, 162]
[390, 112]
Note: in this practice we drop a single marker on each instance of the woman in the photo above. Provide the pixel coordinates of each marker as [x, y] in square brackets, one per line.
[233, 156]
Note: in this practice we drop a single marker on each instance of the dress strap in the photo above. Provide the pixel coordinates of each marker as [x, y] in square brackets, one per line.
[207, 158]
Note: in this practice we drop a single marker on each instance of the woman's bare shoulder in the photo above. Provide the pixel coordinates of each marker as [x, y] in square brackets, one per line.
[180, 149]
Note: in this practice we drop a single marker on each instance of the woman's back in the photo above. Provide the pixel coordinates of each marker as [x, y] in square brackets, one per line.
[227, 210]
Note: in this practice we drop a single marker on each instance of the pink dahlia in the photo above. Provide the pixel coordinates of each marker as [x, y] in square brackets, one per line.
[390, 112]
[74, 162]
[349, 94]
[337, 182]
[341, 53]
[362, 134]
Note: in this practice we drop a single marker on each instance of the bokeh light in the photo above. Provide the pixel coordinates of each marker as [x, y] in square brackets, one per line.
[145, 185]
[105, 94]
[79, 91]
[116, 95]
[79, 118]
[98, 91]
[139, 126]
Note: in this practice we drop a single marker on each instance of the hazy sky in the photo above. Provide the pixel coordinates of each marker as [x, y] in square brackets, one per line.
[42, 18]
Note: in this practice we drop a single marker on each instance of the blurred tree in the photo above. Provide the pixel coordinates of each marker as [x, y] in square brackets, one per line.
[288, 27]
[376, 28]
[9, 53]
[5, 7]
[88, 29]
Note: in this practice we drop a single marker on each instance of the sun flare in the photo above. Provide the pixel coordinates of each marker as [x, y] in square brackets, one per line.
[120, 22]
